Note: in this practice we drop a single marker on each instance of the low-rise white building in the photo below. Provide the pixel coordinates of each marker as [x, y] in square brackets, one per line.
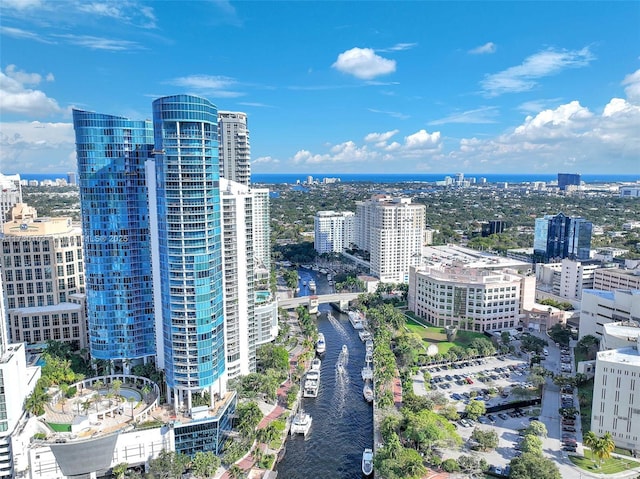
[470, 298]
[603, 307]
[616, 396]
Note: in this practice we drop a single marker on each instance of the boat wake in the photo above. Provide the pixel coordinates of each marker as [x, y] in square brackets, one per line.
[340, 329]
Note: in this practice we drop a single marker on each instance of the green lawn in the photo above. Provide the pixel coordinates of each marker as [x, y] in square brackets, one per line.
[437, 335]
[609, 466]
[585, 396]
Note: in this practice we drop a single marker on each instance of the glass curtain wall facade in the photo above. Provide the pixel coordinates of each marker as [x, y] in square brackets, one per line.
[189, 242]
[560, 236]
[111, 154]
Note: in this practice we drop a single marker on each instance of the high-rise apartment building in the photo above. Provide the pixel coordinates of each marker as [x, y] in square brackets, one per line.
[333, 231]
[43, 273]
[568, 179]
[17, 381]
[189, 241]
[391, 229]
[10, 194]
[235, 148]
[261, 233]
[111, 153]
[561, 236]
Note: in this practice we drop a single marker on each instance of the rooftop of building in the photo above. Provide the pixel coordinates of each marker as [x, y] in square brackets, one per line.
[60, 307]
[465, 275]
[629, 355]
[453, 255]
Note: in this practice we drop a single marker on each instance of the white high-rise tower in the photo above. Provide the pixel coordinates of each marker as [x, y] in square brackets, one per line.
[235, 150]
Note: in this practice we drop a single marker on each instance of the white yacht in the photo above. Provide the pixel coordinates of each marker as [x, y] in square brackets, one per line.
[301, 423]
[367, 391]
[356, 319]
[321, 345]
[311, 384]
[365, 336]
[367, 462]
[312, 286]
[367, 373]
[315, 364]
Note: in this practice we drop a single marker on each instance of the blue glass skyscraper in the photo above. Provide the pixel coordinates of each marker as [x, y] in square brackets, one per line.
[190, 246]
[561, 236]
[112, 152]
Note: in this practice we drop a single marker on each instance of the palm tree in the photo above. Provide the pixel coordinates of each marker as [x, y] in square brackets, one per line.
[36, 400]
[589, 440]
[606, 445]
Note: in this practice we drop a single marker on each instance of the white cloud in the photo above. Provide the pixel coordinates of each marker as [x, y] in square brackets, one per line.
[632, 83]
[37, 146]
[478, 116]
[393, 114]
[100, 43]
[363, 63]
[21, 4]
[422, 140]
[22, 34]
[214, 85]
[523, 77]
[488, 47]
[124, 11]
[398, 47]
[265, 160]
[15, 97]
[378, 137]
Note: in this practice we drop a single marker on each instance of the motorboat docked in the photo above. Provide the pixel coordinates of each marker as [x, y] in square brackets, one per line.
[367, 373]
[369, 345]
[369, 356]
[312, 286]
[367, 462]
[321, 346]
[315, 364]
[311, 384]
[301, 423]
[367, 391]
[356, 319]
[365, 336]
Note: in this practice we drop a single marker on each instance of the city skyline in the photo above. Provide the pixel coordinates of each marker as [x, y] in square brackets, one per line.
[340, 87]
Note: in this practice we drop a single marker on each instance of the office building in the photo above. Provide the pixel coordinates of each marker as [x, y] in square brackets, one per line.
[392, 230]
[111, 153]
[568, 179]
[17, 381]
[616, 397]
[630, 191]
[608, 279]
[568, 278]
[333, 231]
[43, 274]
[234, 147]
[185, 210]
[10, 194]
[602, 307]
[560, 236]
[469, 298]
[493, 227]
[72, 178]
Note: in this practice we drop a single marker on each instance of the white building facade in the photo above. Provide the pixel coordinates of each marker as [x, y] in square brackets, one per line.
[234, 146]
[392, 230]
[616, 396]
[469, 298]
[603, 307]
[333, 231]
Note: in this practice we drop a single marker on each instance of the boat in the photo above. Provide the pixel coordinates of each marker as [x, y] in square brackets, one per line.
[321, 346]
[369, 345]
[315, 364]
[345, 349]
[367, 462]
[340, 367]
[301, 423]
[369, 357]
[304, 283]
[367, 391]
[365, 336]
[311, 384]
[367, 373]
[312, 286]
[356, 319]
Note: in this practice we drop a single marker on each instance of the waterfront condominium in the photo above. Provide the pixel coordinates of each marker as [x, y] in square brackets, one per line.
[186, 218]
[391, 229]
[111, 153]
[235, 150]
[333, 231]
[561, 236]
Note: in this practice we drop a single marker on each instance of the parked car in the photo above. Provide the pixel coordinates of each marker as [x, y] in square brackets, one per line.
[502, 416]
[491, 417]
[570, 448]
[569, 428]
[533, 418]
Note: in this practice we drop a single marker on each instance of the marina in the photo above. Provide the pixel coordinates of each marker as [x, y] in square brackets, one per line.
[311, 384]
[342, 420]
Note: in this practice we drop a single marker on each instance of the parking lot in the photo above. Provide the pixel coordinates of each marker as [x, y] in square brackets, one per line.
[488, 379]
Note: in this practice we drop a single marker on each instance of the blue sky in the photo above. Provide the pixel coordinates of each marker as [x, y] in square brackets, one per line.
[338, 87]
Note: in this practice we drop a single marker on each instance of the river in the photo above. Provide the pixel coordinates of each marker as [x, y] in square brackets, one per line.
[342, 420]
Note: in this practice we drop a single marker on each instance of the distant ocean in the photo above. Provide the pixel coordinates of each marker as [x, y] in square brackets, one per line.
[275, 178]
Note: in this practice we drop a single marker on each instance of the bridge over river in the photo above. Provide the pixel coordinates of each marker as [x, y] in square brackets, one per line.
[319, 299]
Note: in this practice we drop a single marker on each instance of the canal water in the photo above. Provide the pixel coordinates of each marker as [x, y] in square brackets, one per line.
[342, 420]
